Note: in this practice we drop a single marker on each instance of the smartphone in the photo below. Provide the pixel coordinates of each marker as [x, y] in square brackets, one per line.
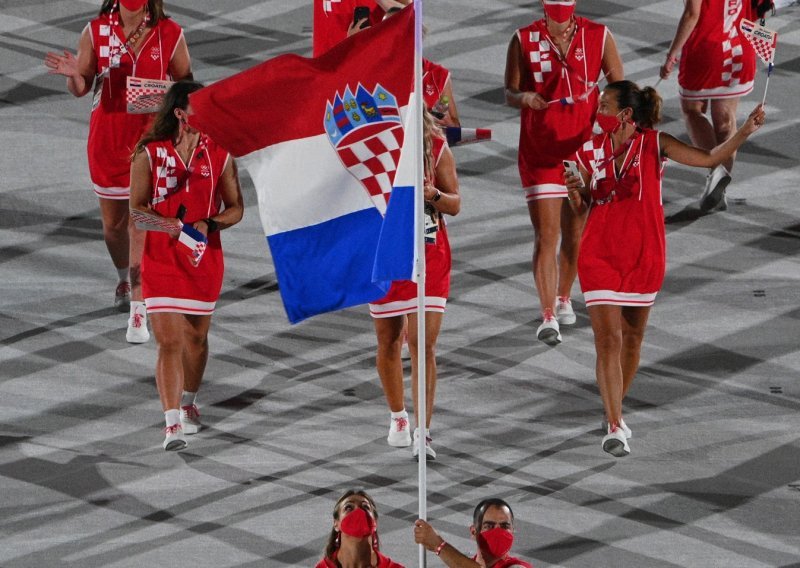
[361, 13]
[572, 167]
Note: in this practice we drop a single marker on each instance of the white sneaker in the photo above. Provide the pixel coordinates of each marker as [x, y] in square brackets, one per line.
[137, 325]
[430, 453]
[548, 332]
[190, 419]
[625, 430]
[713, 197]
[122, 296]
[615, 443]
[565, 315]
[399, 436]
[174, 439]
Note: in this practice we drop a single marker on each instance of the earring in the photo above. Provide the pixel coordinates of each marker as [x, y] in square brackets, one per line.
[338, 541]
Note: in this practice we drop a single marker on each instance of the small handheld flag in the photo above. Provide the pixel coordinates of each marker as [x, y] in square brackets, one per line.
[152, 222]
[764, 42]
[144, 96]
[195, 242]
[457, 136]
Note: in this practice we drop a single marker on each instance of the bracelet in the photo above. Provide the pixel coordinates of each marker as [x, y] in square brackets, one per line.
[211, 224]
[439, 548]
[438, 196]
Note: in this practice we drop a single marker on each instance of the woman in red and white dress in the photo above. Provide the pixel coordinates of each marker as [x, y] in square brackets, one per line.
[128, 38]
[552, 70]
[400, 303]
[717, 68]
[623, 249]
[177, 172]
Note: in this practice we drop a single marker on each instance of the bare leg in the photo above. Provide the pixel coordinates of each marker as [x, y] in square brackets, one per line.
[607, 327]
[136, 239]
[170, 330]
[389, 332]
[701, 131]
[571, 230]
[545, 216]
[114, 214]
[433, 323]
[195, 351]
[634, 322]
[723, 117]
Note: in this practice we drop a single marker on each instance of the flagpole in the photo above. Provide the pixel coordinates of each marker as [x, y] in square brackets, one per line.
[766, 85]
[419, 206]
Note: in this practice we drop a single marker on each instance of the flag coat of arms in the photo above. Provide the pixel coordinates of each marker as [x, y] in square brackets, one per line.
[322, 140]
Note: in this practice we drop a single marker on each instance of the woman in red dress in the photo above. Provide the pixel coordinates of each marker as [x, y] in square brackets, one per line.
[128, 38]
[353, 540]
[179, 173]
[553, 66]
[623, 249]
[400, 304]
[717, 68]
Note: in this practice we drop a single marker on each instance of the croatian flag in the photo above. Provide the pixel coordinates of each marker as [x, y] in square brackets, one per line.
[327, 142]
[332, 18]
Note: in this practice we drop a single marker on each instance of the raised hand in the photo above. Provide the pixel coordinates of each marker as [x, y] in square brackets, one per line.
[65, 64]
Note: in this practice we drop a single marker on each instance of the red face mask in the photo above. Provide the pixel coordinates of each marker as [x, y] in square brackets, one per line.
[559, 11]
[358, 524]
[133, 5]
[610, 123]
[497, 541]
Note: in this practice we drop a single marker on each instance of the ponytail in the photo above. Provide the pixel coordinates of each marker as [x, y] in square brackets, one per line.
[646, 103]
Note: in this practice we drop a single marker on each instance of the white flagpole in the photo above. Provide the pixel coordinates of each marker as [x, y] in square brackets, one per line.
[419, 210]
[769, 74]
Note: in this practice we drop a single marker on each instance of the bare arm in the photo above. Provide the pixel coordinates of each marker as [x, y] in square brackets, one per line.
[683, 153]
[691, 13]
[449, 201]
[451, 118]
[427, 536]
[231, 193]
[612, 62]
[515, 69]
[578, 190]
[180, 67]
[79, 70]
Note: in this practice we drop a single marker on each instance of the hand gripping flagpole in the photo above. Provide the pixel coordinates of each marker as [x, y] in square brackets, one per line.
[419, 238]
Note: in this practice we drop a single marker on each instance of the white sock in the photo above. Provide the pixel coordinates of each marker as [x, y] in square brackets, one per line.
[401, 414]
[141, 309]
[172, 417]
[123, 274]
[188, 398]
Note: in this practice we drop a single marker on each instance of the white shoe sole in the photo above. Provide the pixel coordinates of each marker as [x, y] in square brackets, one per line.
[399, 441]
[617, 447]
[174, 445]
[550, 336]
[190, 428]
[566, 319]
[715, 197]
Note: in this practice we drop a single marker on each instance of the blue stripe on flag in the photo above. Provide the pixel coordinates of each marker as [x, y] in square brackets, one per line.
[327, 267]
[394, 259]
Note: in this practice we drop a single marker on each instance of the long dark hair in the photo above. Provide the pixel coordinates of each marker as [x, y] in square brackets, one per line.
[333, 537]
[646, 102]
[154, 7]
[165, 125]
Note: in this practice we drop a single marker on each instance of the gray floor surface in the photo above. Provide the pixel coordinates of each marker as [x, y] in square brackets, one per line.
[296, 414]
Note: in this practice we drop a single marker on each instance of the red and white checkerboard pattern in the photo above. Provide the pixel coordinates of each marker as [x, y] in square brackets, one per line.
[371, 154]
[166, 180]
[145, 95]
[733, 52]
[540, 58]
[598, 157]
[764, 41]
